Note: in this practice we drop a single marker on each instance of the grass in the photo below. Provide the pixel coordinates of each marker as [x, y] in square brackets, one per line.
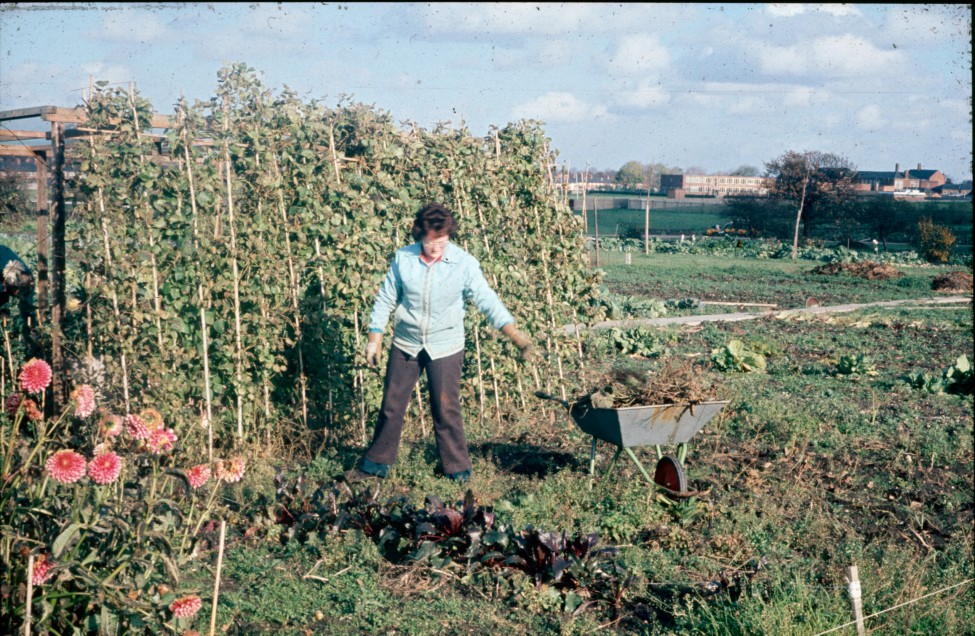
[662, 221]
[806, 472]
[786, 283]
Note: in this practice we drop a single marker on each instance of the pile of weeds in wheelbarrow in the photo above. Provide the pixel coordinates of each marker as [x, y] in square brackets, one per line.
[675, 381]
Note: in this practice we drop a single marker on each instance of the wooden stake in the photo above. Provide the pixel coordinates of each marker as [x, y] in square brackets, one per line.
[43, 212]
[335, 158]
[497, 399]
[239, 352]
[58, 264]
[419, 404]
[206, 375]
[30, 594]
[853, 580]
[362, 386]
[216, 579]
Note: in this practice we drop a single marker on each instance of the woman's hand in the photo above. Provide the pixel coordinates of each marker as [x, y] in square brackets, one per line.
[519, 339]
[374, 349]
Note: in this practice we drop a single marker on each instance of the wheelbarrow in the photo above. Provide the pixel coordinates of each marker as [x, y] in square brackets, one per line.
[653, 425]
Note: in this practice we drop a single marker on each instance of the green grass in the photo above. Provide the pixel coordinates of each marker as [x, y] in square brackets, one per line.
[806, 473]
[667, 221]
[785, 283]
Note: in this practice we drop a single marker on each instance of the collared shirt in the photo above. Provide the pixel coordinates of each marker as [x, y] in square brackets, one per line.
[429, 301]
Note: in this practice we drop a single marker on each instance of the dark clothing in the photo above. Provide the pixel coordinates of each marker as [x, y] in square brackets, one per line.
[443, 374]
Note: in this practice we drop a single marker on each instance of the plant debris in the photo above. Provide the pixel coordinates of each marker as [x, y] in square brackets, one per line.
[865, 269]
[958, 281]
[677, 381]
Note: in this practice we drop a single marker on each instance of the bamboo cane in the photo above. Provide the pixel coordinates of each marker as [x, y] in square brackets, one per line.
[206, 375]
[419, 404]
[497, 402]
[28, 609]
[480, 373]
[335, 158]
[181, 123]
[321, 286]
[100, 196]
[239, 352]
[88, 324]
[293, 282]
[362, 386]
[216, 578]
[157, 301]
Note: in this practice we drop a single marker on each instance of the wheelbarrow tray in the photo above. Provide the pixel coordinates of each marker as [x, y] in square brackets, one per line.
[658, 424]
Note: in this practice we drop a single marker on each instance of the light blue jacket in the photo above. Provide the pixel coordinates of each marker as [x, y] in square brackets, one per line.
[429, 301]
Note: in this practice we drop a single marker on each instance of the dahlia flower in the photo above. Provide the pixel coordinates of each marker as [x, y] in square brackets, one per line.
[35, 376]
[66, 466]
[231, 470]
[84, 400]
[102, 448]
[135, 427]
[186, 606]
[152, 418]
[105, 468]
[12, 403]
[33, 412]
[42, 569]
[161, 440]
[110, 425]
[198, 475]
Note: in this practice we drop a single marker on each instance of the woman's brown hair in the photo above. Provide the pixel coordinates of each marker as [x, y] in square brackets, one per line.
[436, 218]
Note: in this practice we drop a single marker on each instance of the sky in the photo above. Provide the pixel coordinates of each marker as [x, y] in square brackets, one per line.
[713, 86]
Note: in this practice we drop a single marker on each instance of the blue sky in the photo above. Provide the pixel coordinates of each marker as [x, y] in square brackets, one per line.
[708, 85]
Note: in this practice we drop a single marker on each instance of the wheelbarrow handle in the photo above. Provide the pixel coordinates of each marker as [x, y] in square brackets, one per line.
[546, 396]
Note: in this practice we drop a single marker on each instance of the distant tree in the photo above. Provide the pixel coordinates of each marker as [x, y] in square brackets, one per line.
[884, 216]
[695, 170]
[631, 174]
[745, 171]
[818, 184]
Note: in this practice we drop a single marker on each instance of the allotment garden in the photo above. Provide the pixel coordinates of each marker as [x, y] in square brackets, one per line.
[219, 279]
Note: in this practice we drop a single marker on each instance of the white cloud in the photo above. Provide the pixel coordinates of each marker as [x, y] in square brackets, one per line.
[837, 56]
[559, 107]
[791, 10]
[647, 94]
[518, 18]
[133, 25]
[639, 53]
[870, 117]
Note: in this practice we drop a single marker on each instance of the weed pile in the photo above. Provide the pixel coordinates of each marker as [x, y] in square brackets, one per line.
[957, 281]
[676, 381]
[868, 270]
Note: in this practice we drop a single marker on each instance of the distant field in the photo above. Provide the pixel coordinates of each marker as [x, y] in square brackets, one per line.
[662, 221]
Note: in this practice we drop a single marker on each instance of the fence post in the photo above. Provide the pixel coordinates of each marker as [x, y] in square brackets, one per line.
[853, 579]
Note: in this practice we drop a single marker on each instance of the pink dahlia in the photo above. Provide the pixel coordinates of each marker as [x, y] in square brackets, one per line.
[105, 468]
[109, 425]
[135, 427]
[42, 569]
[198, 475]
[12, 404]
[186, 606]
[66, 466]
[102, 448]
[161, 440]
[33, 412]
[231, 470]
[35, 376]
[84, 400]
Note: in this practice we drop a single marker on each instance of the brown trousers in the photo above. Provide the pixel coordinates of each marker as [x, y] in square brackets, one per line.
[443, 375]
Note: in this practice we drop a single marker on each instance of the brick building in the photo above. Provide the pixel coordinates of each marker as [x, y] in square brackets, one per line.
[897, 181]
[679, 185]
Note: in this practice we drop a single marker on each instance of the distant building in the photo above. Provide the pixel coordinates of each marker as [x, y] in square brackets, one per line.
[955, 190]
[897, 182]
[718, 185]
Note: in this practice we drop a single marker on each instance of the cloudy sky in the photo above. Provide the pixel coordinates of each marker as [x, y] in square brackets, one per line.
[707, 85]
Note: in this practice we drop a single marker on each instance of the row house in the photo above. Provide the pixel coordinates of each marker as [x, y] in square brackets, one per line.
[897, 181]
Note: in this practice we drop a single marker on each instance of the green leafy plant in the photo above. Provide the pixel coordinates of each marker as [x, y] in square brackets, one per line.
[955, 378]
[855, 366]
[936, 242]
[739, 357]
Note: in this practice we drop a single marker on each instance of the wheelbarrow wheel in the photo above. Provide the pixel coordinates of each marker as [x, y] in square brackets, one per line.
[670, 474]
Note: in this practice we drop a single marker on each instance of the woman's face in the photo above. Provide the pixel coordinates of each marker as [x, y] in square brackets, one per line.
[434, 244]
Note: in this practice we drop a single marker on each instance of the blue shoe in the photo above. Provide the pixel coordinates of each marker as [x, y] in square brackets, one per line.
[460, 477]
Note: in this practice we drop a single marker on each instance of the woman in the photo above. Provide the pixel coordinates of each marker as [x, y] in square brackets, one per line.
[427, 284]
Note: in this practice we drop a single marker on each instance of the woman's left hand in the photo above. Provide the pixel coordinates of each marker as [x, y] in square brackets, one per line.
[520, 340]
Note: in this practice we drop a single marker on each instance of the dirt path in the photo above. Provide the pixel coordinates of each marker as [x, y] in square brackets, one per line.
[735, 317]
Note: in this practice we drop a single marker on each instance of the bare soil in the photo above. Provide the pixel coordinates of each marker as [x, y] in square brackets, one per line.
[866, 269]
[958, 281]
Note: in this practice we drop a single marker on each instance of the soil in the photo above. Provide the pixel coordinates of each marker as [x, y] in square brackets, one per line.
[958, 281]
[866, 269]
